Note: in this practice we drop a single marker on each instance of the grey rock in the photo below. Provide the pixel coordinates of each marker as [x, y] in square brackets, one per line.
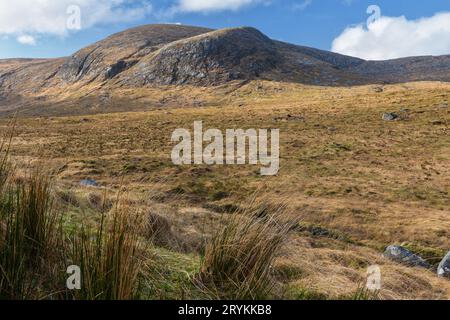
[404, 256]
[444, 267]
[390, 116]
[117, 68]
[89, 183]
[378, 89]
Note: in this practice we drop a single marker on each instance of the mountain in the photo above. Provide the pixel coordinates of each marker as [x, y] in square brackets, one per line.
[161, 55]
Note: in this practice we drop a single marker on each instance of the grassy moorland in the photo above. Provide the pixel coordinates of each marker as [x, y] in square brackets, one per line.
[351, 184]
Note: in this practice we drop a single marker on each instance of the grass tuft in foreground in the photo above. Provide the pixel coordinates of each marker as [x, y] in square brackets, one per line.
[238, 259]
[110, 257]
[31, 242]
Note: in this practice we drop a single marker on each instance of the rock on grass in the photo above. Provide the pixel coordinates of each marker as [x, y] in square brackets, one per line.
[444, 267]
[404, 256]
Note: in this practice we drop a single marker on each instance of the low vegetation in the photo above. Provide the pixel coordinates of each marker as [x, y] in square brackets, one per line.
[357, 182]
[110, 258]
[238, 259]
[116, 262]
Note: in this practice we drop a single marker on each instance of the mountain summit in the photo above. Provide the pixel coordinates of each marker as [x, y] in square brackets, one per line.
[155, 55]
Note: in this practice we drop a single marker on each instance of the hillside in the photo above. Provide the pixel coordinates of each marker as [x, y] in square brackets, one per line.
[357, 182]
[364, 166]
[93, 79]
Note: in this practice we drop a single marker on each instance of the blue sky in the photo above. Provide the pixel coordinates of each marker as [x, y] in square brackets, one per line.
[39, 30]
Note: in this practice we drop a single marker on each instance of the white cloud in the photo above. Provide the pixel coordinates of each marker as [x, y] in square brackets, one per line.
[211, 5]
[50, 17]
[26, 39]
[300, 6]
[396, 37]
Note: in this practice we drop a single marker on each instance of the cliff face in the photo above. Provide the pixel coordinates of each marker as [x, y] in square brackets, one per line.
[208, 59]
[156, 55]
[106, 59]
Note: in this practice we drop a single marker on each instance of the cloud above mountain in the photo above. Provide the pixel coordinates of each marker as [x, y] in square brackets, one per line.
[25, 39]
[24, 19]
[396, 37]
[212, 5]
[28, 20]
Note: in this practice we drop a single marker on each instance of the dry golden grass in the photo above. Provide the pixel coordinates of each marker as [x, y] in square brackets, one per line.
[328, 268]
[239, 258]
[342, 167]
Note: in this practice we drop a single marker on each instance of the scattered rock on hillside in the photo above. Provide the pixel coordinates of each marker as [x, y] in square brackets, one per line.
[404, 256]
[289, 117]
[444, 267]
[378, 89]
[390, 116]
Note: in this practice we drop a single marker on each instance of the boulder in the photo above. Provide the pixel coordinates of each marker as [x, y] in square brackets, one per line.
[444, 267]
[390, 116]
[404, 256]
[378, 89]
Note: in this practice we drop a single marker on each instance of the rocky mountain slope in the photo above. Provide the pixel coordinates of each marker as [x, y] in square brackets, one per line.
[155, 55]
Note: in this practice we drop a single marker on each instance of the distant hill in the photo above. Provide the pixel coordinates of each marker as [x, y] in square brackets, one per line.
[157, 55]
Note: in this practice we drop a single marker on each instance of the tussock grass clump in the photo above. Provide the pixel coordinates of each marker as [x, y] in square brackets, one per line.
[99, 202]
[35, 252]
[159, 231]
[39, 221]
[109, 257]
[31, 239]
[238, 259]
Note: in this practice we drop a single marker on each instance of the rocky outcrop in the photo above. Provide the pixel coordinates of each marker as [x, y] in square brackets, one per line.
[107, 58]
[212, 58]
